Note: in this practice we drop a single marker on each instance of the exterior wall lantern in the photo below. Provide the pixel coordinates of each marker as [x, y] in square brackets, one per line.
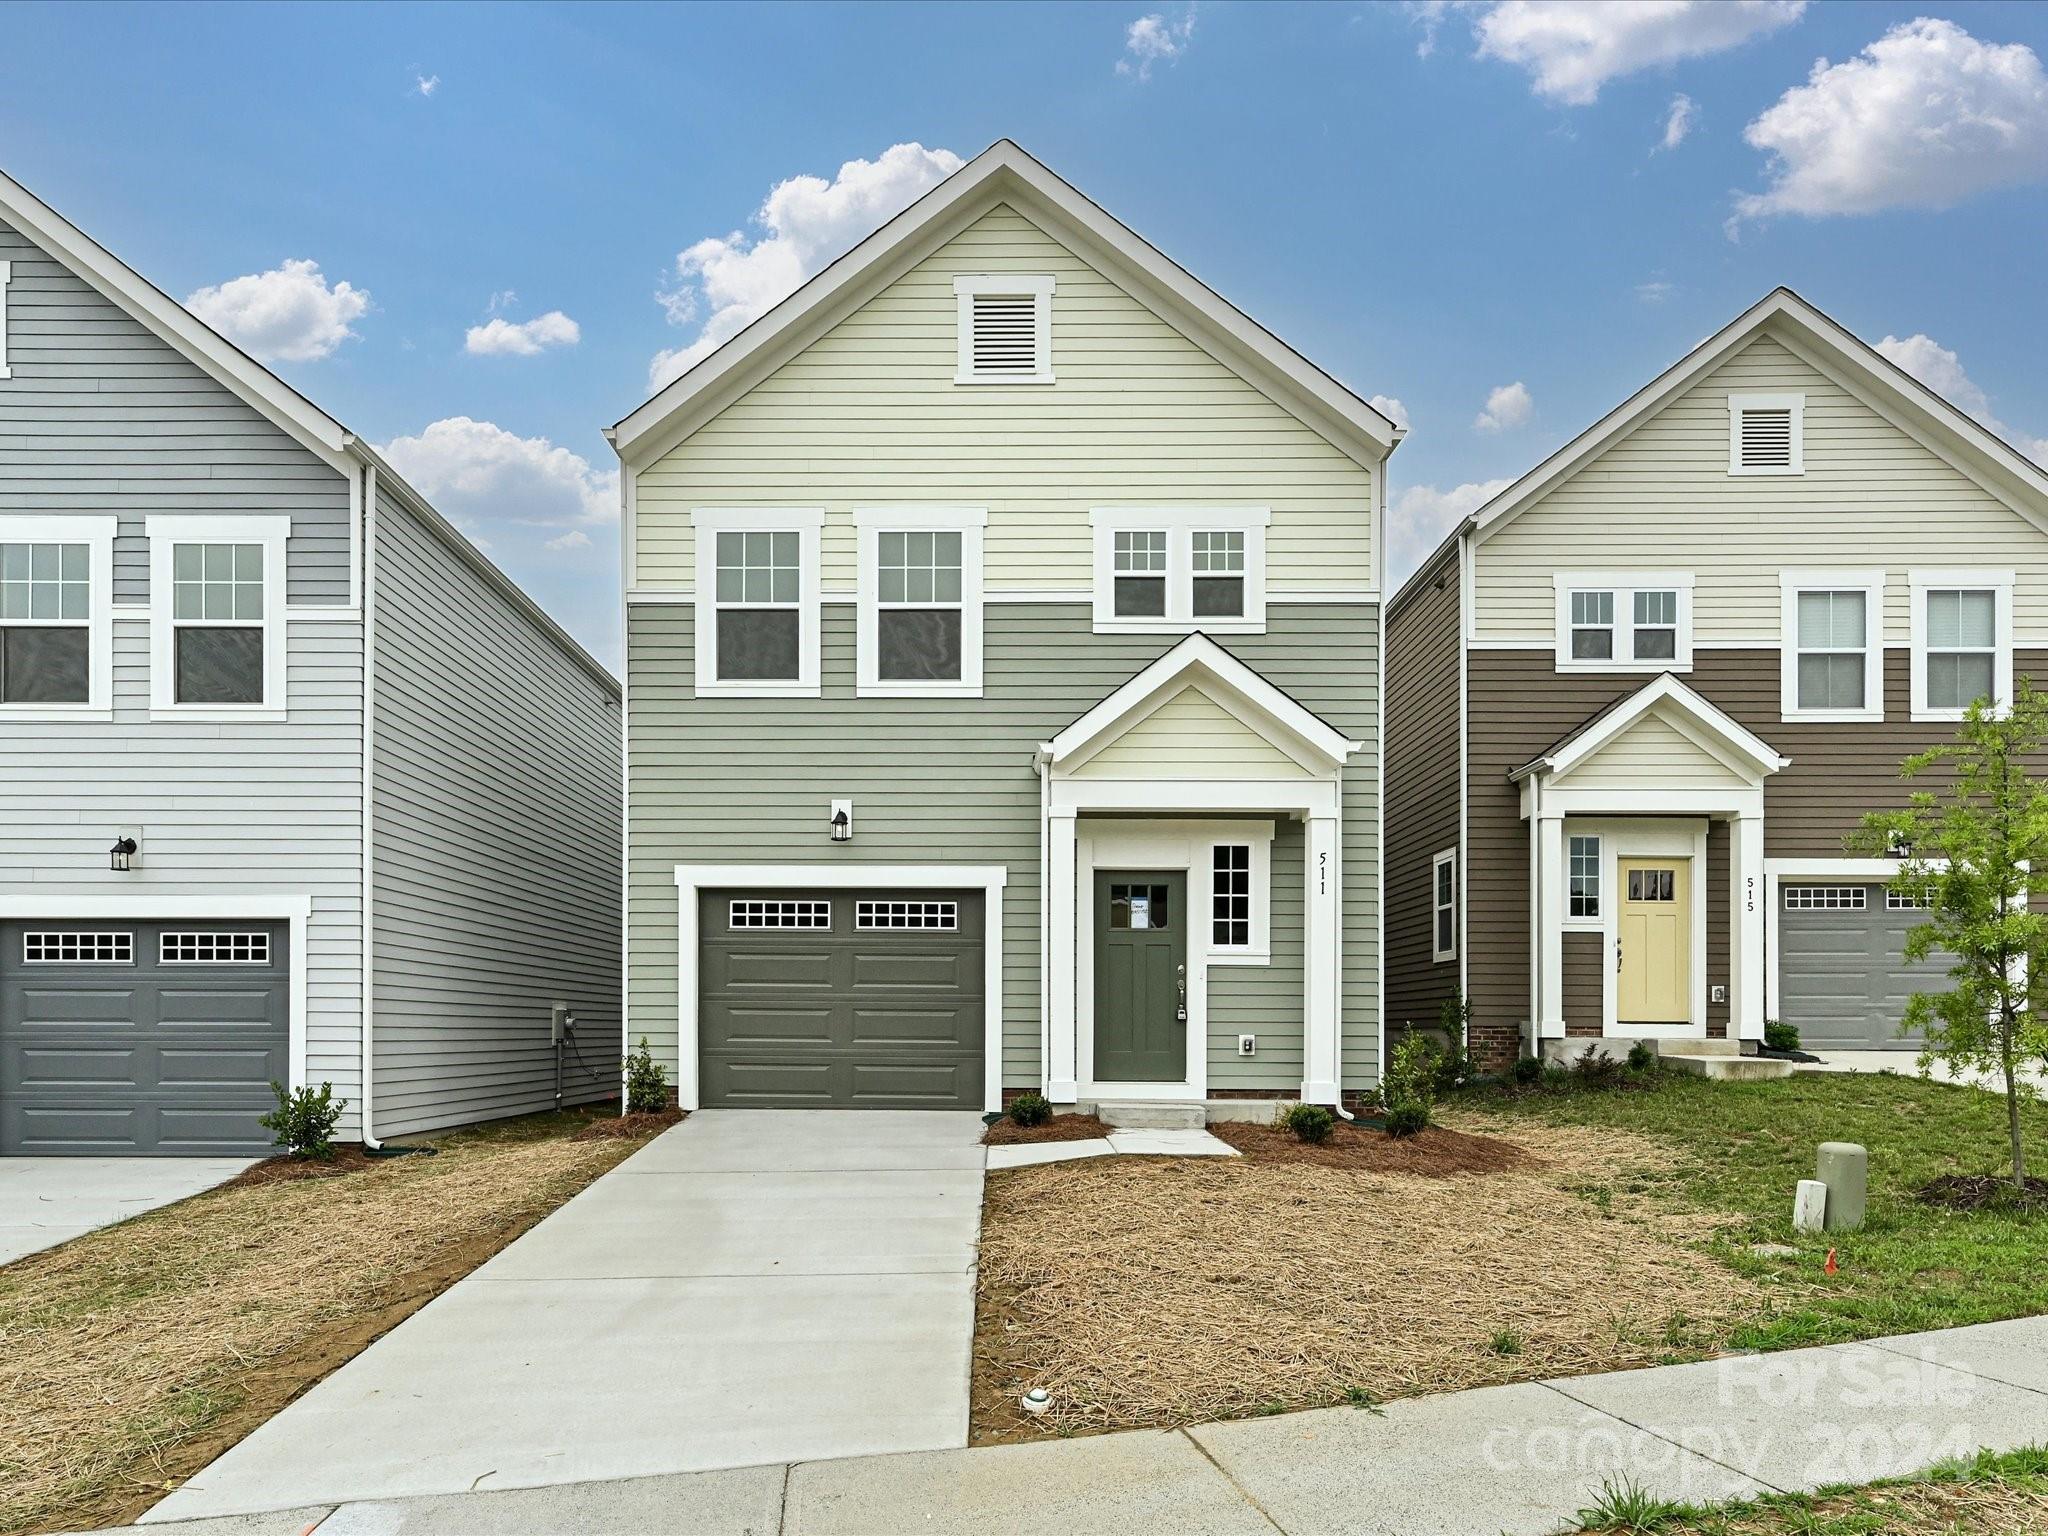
[842, 821]
[122, 855]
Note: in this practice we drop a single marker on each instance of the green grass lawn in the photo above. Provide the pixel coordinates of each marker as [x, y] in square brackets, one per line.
[1742, 1147]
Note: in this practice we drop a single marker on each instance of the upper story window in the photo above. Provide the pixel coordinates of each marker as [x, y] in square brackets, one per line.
[217, 631]
[1766, 434]
[1636, 621]
[1962, 641]
[1175, 569]
[757, 599]
[1005, 329]
[55, 623]
[6, 271]
[920, 608]
[1831, 663]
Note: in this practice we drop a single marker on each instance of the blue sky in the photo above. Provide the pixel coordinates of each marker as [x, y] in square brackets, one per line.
[1437, 203]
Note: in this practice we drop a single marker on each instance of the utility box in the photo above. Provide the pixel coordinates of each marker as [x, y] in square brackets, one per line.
[1845, 1168]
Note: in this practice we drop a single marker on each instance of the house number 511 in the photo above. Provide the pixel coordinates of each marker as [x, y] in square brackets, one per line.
[1322, 874]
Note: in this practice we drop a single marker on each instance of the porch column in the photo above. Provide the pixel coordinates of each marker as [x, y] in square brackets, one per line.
[1549, 935]
[1746, 958]
[1062, 1080]
[1322, 978]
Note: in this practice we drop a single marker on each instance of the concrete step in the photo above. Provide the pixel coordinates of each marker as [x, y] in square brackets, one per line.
[1716, 1064]
[1153, 1114]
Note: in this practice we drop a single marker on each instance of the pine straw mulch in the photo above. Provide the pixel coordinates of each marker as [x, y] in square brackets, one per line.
[349, 1157]
[1434, 1153]
[631, 1127]
[1161, 1291]
[1007, 1132]
[1981, 1191]
[131, 1357]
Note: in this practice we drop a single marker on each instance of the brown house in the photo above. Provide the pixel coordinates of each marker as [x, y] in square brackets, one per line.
[1638, 702]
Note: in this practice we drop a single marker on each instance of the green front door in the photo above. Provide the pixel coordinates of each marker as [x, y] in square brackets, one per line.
[1141, 974]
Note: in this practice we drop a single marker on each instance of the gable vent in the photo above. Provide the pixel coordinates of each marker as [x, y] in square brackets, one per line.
[1767, 438]
[1003, 325]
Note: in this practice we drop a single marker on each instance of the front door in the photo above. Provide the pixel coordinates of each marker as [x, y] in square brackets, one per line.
[1141, 977]
[1655, 959]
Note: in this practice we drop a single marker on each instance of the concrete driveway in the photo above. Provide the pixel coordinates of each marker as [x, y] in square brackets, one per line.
[751, 1287]
[45, 1201]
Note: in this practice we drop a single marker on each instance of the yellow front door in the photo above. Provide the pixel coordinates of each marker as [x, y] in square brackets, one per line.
[1655, 985]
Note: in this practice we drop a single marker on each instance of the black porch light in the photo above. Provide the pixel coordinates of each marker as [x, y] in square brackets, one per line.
[122, 855]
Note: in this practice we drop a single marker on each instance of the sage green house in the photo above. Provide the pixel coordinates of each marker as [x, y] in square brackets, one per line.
[1003, 683]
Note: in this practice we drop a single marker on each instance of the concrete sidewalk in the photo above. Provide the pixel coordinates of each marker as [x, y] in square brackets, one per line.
[45, 1201]
[1518, 1459]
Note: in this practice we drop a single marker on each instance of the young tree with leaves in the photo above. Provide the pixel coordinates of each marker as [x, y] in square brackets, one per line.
[1975, 854]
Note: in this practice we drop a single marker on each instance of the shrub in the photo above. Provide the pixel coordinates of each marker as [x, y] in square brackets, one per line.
[1595, 1068]
[646, 1082]
[1030, 1109]
[1528, 1070]
[1454, 1018]
[1642, 1056]
[1411, 1078]
[1780, 1036]
[1309, 1122]
[304, 1120]
[1407, 1119]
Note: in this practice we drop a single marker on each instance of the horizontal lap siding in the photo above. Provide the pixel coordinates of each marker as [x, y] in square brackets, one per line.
[1585, 983]
[1423, 661]
[719, 780]
[497, 821]
[1263, 1000]
[101, 416]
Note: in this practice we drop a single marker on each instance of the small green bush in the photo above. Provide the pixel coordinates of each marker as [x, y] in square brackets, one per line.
[1454, 1066]
[304, 1120]
[1642, 1057]
[1407, 1120]
[1309, 1122]
[1780, 1036]
[1528, 1070]
[1594, 1068]
[1030, 1109]
[646, 1082]
[1411, 1078]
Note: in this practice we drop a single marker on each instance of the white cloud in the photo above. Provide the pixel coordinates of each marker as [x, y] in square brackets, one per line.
[1392, 409]
[426, 85]
[1655, 291]
[1507, 406]
[1155, 39]
[1422, 515]
[575, 538]
[1924, 117]
[1678, 121]
[289, 314]
[1942, 371]
[483, 477]
[806, 222]
[1428, 16]
[1571, 48]
[502, 338]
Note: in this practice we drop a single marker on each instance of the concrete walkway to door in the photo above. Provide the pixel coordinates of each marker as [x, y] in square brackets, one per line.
[753, 1286]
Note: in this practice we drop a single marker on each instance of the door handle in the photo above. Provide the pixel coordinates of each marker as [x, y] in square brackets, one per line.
[1180, 1013]
[1617, 954]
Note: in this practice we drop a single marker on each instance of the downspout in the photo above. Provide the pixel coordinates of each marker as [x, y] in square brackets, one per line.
[1536, 934]
[369, 632]
[1043, 767]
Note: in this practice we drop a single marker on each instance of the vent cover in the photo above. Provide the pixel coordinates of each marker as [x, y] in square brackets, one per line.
[1004, 320]
[1764, 434]
[1767, 438]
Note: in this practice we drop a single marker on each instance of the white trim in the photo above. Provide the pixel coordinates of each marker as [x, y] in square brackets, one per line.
[1795, 404]
[1437, 906]
[1038, 287]
[1141, 846]
[808, 523]
[1790, 585]
[166, 532]
[296, 909]
[97, 534]
[2000, 585]
[1800, 871]
[1588, 831]
[1623, 586]
[1180, 524]
[869, 524]
[6, 272]
[368, 1047]
[693, 878]
[1706, 725]
[1258, 837]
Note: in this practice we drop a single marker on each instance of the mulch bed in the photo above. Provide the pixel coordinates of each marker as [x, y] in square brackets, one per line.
[1434, 1153]
[349, 1157]
[1007, 1132]
[1982, 1191]
[631, 1127]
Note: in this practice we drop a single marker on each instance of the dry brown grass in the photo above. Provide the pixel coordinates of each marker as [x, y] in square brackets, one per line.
[1987, 1508]
[131, 1356]
[1167, 1291]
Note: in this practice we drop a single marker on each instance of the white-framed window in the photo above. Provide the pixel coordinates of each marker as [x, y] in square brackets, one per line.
[113, 948]
[213, 948]
[1583, 898]
[1831, 629]
[1171, 570]
[1230, 896]
[56, 618]
[1239, 860]
[1005, 328]
[1826, 898]
[757, 600]
[6, 273]
[1767, 434]
[920, 600]
[216, 617]
[1443, 896]
[1962, 641]
[1624, 621]
[892, 916]
[779, 912]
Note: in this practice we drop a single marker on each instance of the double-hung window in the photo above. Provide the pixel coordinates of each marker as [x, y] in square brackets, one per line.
[1637, 621]
[1962, 641]
[1443, 895]
[55, 642]
[757, 600]
[217, 628]
[1832, 660]
[920, 601]
[1177, 569]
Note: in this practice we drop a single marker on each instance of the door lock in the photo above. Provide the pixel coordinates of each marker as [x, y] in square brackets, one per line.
[1180, 1012]
[1617, 954]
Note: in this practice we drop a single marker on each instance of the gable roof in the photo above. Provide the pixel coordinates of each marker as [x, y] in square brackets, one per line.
[1004, 173]
[1708, 726]
[1198, 661]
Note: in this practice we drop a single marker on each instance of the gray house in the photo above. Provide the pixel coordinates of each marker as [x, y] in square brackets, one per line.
[294, 783]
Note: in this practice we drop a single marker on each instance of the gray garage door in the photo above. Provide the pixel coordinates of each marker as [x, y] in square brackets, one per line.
[141, 1038]
[1843, 979]
[841, 1000]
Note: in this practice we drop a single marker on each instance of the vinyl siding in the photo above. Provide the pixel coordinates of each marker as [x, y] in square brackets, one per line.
[102, 416]
[1262, 1000]
[1423, 661]
[1662, 498]
[1585, 982]
[951, 781]
[869, 415]
[1190, 736]
[495, 869]
[1652, 754]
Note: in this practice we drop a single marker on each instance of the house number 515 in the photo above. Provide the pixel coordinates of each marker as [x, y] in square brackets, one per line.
[1749, 893]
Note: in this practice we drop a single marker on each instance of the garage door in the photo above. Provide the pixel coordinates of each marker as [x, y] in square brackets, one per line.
[141, 1038]
[841, 1000]
[1843, 979]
